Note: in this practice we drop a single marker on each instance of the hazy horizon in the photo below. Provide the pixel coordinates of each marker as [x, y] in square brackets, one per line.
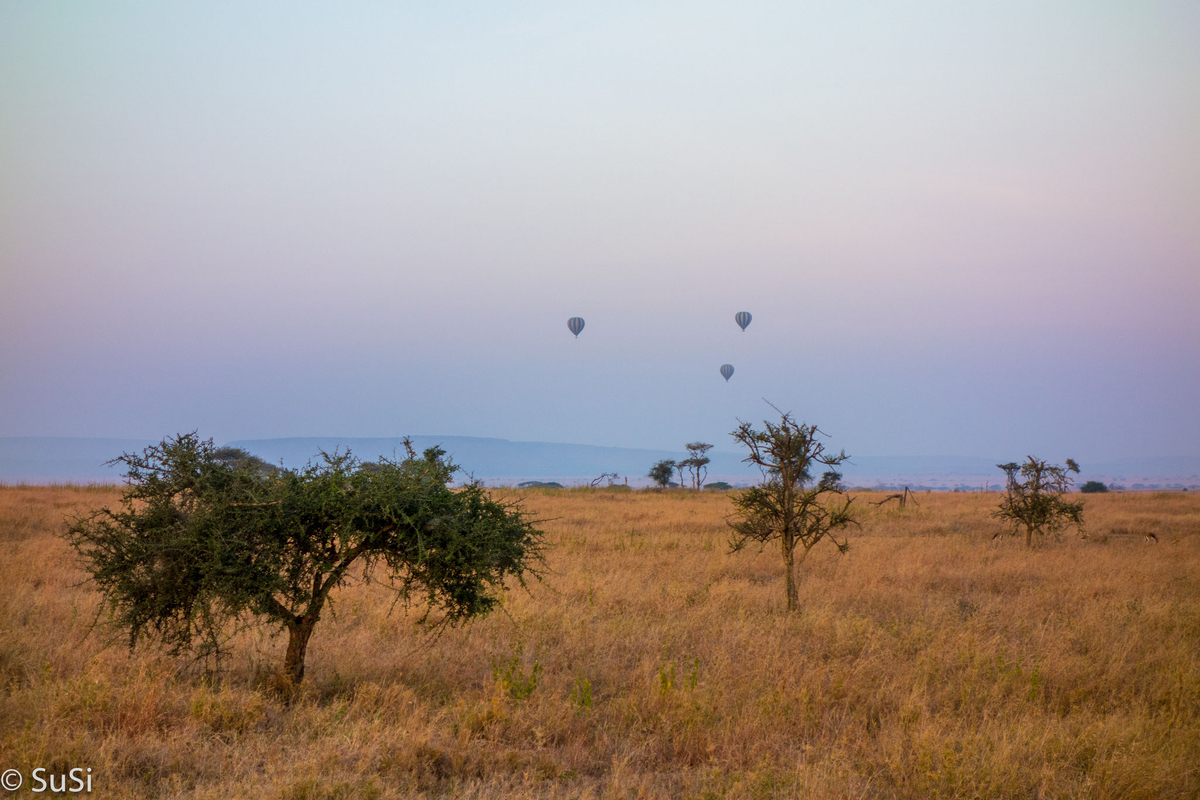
[502, 461]
[961, 231]
[729, 447]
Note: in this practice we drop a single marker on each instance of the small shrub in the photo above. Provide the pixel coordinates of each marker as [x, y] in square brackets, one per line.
[966, 609]
[582, 695]
[1093, 487]
[666, 678]
[510, 676]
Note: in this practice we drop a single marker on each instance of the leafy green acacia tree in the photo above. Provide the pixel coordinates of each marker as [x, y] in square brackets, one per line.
[1034, 501]
[662, 473]
[203, 543]
[786, 506]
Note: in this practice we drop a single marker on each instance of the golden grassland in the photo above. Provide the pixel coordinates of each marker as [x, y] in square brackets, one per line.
[930, 661]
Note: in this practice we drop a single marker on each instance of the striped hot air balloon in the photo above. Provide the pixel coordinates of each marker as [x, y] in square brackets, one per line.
[742, 318]
[575, 325]
[727, 371]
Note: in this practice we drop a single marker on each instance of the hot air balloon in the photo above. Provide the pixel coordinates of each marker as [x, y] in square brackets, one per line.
[742, 318]
[727, 371]
[575, 325]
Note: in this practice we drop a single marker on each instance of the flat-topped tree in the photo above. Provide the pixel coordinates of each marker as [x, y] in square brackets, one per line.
[697, 462]
[202, 544]
[786, 506]
[1034, 501]
[236, 456]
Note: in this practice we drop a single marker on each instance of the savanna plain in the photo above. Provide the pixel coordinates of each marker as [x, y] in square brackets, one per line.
[931, 660]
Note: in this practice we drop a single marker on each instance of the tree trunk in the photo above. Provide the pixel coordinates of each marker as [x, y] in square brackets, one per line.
[789, 563]
[293, 662]
[1029, 536]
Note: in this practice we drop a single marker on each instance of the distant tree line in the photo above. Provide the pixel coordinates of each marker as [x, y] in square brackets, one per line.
[693, 469]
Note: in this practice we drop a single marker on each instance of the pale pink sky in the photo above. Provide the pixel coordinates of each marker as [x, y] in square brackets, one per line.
[961, 229]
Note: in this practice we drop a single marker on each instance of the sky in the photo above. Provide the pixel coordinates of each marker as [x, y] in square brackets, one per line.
[962, 229]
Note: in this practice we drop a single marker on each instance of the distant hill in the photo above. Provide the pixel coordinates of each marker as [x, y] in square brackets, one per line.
[79, 460]
[501, 458]
[1167, 466]
[50, 459]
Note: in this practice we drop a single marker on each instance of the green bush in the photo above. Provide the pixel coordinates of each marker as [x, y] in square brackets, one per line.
[1093, 487]
[206, 540]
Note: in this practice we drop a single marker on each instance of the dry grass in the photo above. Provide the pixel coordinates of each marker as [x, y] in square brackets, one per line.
[928, 662]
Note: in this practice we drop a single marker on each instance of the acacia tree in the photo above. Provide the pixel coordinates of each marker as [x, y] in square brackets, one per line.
[236, 456]
[1035, 501]
[786, 507]
[662, 473]
[202, 545]
[697, 463]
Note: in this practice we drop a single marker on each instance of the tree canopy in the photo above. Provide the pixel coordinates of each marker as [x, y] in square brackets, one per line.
[236, 456]
[203, 542]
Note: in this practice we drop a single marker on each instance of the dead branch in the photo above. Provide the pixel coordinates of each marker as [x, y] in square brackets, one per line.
[902, 497]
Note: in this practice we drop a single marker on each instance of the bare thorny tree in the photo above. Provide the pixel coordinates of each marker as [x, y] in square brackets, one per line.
[787, 506]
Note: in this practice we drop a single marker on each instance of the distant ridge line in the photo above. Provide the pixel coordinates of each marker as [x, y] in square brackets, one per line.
[45, 459]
